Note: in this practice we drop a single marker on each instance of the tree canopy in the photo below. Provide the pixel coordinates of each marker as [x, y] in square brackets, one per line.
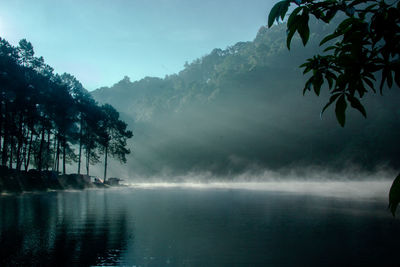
[44, 116]
[362, 50]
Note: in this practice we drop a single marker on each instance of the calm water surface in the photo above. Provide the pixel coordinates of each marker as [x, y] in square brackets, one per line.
[182, 226]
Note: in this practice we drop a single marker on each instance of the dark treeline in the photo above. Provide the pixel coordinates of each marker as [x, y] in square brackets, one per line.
[48, 120]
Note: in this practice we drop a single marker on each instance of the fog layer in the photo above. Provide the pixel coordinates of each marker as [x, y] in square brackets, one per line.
[241, 110]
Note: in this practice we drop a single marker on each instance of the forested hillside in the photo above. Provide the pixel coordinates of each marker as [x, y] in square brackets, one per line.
[241, 109]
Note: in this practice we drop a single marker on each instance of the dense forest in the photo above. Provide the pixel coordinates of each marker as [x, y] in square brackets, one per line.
[48, 120]
[241, 110]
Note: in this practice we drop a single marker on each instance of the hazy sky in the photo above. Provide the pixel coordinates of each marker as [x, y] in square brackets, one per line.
[100, 41]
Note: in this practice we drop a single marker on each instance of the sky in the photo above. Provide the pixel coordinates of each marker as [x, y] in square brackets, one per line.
[101, 41]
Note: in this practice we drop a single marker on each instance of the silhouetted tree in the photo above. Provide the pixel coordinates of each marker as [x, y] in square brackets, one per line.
[44, 115]
[113, 136]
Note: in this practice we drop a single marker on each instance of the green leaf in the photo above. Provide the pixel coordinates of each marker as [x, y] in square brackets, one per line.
[284, 9]
[394, 195]
[290, 36]
[303, 28]
[330, 14]
[350, 11]
[278, 10]
[355, 103]
[331, 100]
[330, 75]
[308, 85]
[369, 75]
[330, 81]
[293, 16]
[317, 83]
[397, 77]
[356, 2]
[329, 48]
[340, 110]
[389, 78]
[373, 67]
[303, 65]
[273, 14]
[368, 8]
[307, 70]
[329, 37]
[369, 83]
[292, 25]
[344, 25]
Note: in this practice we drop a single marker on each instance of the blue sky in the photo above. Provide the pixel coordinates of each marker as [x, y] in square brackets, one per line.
[100, 41]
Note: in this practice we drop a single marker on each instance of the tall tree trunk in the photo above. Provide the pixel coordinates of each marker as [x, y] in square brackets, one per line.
[55, 153]
[58, 155]
[5, 138]
[41, 149]
[13, 133]
[1, 122]
[87, 160]
[18, 156]
[48, 149]
[105, 165]
[80, 146]
[24, 150]
[11, 151]
[28, 158]
[20, 142]
[64, 154]
[4, 152]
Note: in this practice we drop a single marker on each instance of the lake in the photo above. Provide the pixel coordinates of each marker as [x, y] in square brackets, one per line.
[218, 224]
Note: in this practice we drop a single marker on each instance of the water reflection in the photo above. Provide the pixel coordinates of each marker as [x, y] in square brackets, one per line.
[196, 227]
[62, 228]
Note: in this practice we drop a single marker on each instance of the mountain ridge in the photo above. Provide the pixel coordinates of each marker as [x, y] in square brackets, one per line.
[242, 109]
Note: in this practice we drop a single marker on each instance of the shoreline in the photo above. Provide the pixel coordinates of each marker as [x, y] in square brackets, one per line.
[13, 181]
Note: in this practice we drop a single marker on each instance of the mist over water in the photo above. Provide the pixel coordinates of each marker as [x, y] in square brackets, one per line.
[350, 183]
[367, 190]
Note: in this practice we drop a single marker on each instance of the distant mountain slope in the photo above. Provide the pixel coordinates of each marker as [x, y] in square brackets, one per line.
[241, 109]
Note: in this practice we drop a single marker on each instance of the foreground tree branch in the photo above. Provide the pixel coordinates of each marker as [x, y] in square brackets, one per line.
[361, 53]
